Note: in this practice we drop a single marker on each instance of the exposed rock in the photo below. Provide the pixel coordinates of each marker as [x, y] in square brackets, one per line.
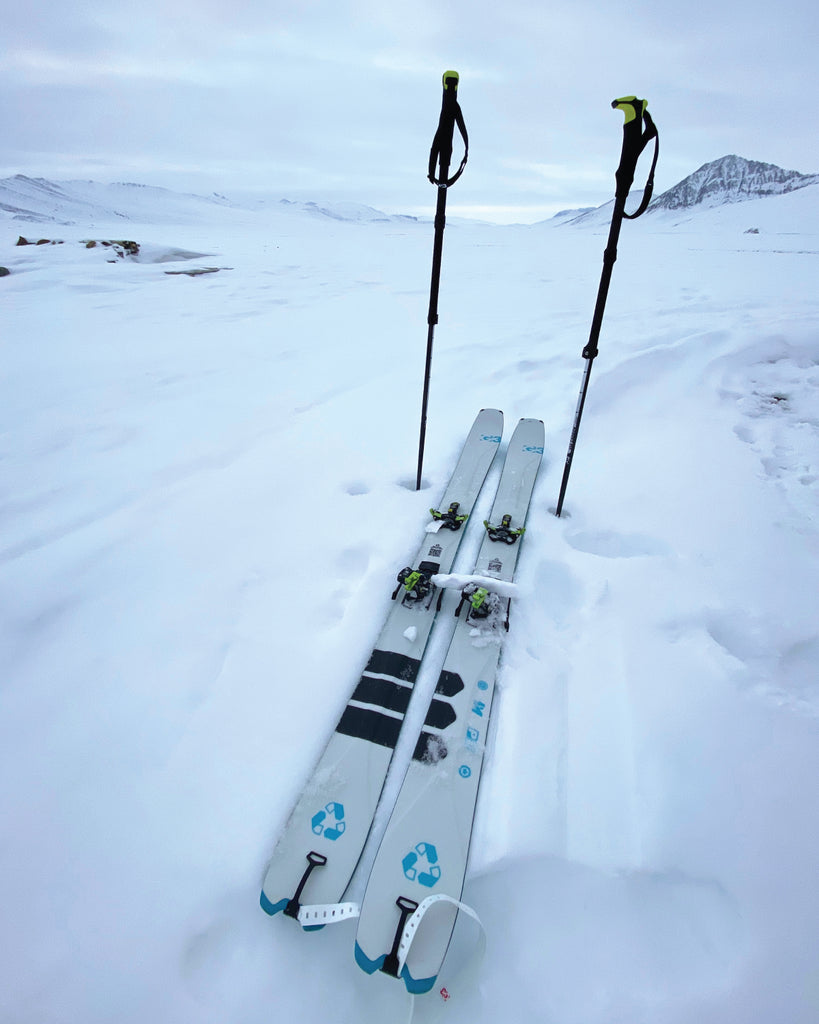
[196, 271]
[121, 247]
[40, 241]
[732, 179]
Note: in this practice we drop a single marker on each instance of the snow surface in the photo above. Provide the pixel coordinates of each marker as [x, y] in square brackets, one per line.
[206, 494]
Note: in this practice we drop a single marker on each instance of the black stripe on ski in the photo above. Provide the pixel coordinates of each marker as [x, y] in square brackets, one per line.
[440, 715]
[430, 748]
[449, 683]
[372, 726]
[382, 693]
[389, 663]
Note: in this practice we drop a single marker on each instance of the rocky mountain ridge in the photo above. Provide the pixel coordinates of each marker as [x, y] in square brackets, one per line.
[731, 179]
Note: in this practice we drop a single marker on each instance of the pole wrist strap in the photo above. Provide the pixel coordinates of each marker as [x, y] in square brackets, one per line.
[441, 140]
[649, 132]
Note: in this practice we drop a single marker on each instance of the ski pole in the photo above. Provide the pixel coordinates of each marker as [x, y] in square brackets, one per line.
[638, 130]
[441, 155]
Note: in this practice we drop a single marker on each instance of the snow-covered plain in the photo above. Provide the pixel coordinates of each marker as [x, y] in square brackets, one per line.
[206, 493]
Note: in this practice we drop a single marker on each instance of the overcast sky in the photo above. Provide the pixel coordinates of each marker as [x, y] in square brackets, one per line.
[328, 99]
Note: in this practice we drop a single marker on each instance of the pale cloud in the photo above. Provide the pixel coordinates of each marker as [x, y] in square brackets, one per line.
[38, 68]
[343, 95]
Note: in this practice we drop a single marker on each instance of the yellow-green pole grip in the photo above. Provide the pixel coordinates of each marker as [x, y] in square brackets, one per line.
[634, 139]
[631, 107]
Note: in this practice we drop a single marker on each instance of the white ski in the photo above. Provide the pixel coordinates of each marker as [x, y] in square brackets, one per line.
[322, 842]
[402, 930]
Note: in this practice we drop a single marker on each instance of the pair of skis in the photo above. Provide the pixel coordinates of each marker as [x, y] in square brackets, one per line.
[411, 903]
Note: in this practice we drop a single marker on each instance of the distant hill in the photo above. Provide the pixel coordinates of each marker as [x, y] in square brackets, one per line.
[39, 201]
[731, 179]
[721, 183]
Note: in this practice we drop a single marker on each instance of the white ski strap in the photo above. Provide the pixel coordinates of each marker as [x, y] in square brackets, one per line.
[457, 581]
[327, 913]
[411, 927]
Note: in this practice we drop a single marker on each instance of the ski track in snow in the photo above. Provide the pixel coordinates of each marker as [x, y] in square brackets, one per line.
[181, 629]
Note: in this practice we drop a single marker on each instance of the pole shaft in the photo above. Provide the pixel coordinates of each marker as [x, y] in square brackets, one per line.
[440, 153]
[637, 131]
[609, 258]
[432, 318]
[590, 351]
[581, 401]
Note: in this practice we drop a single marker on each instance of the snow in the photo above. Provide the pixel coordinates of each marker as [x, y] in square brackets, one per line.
[207, 492]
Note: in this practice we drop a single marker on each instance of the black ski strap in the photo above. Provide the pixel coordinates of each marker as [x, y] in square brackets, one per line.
[442, 143]
[314, 860]
[638, 130]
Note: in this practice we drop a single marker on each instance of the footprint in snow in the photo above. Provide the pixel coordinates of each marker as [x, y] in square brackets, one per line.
[609, 544]
[774, 389]
[350, 567]
[353, 561]
[777, 666]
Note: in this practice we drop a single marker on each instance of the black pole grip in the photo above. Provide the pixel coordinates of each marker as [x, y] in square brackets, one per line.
[638, 130]
[440, 153]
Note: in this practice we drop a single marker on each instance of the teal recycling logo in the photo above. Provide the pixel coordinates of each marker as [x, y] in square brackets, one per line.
[421, 865]
[329, 821]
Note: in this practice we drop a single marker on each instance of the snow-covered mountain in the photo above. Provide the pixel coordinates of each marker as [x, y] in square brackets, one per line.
[731, 179]
[41, 201]
[716, 186]
[37, 200]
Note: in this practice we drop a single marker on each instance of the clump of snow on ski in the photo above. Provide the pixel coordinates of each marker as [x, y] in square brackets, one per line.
[322, 842]
[425, 847]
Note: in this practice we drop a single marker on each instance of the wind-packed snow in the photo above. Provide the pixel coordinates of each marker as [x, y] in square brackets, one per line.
[206, 494]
